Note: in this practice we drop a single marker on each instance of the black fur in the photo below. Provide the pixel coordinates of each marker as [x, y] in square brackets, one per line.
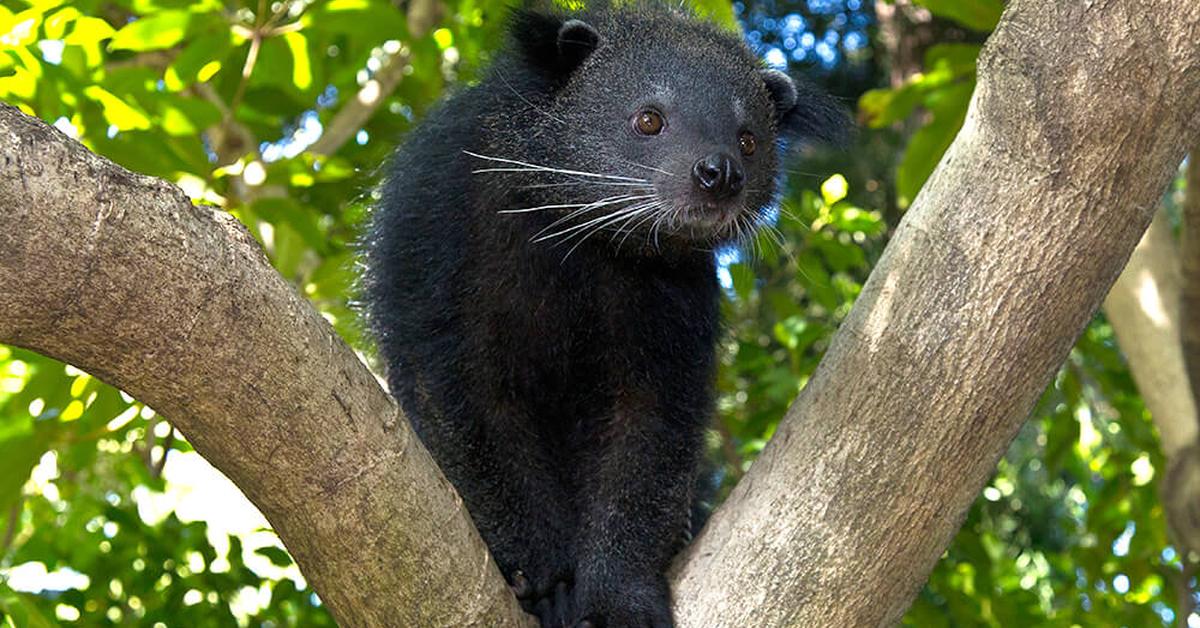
[564, 385]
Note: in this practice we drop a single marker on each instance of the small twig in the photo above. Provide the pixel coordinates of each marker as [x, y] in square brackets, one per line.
[11, 532]
[1183, 591]
[151, 437]
[162, 461]
[422, 16]
[256, 38]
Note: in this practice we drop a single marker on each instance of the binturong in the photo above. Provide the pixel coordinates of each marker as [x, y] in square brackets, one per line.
[542, 286]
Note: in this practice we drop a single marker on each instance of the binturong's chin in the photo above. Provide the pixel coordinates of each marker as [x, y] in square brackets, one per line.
[708, 223]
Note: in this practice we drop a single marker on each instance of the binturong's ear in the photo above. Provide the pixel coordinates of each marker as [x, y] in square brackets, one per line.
[803, 112]
[553, 44]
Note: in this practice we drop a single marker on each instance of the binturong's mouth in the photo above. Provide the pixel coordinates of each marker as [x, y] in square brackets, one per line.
[711, 206]
[709, 216]
[712, 221]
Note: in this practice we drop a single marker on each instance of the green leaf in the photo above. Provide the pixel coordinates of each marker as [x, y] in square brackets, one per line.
[18, 455]
[301, 66]
[20, 29]
[276, 555]
[929, 143]
[367, 22]
[20, 609]
[834, 189]
[288, 215]
[743, 280]
[883, 107]
[719, 12]
[957, 59]
[89, 30]
[160, 30]
[201, 58]
[186, 116]
[980, 15]
[55, 25]
[116, 111]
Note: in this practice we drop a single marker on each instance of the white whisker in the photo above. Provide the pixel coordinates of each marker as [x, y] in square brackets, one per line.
[529, 167]
[525, 100]
[618, 213]
[625, 226]
[635, 210]
[600, 203]
[583, 210]
[586, 183]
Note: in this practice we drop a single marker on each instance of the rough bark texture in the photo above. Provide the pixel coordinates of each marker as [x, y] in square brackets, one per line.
[121, 275]
[1083, 111]
[1081, 114]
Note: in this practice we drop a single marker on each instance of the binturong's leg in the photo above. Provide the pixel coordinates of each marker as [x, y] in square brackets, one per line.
[638, 493]
[490, 452]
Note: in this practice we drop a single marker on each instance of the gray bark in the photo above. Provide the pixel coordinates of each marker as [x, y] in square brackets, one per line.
[1143, 308]
[1190, 263]
[1082, 112]
[121, 275]
[992, 275]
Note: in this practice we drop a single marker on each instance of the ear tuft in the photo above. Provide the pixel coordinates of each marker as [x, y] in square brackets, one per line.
[804, 112]
[551, 44]
[576, 40]
[781, 88]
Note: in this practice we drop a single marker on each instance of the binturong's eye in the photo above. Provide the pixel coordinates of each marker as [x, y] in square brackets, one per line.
[648, 122]
[747, 143]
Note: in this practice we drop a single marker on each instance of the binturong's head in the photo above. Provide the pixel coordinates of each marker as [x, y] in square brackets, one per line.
[649, 124]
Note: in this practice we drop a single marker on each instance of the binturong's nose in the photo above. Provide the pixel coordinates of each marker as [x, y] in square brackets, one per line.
[719, 175]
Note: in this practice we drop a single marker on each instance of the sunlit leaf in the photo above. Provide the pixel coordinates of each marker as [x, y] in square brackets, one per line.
[160, 30]
[834, 189]
[301, 66]
[927, 145]
[980, 15]
[116, 111]
[89, 30]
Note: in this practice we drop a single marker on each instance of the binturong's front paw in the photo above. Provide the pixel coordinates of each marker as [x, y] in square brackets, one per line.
[626, 603]
[545, 592]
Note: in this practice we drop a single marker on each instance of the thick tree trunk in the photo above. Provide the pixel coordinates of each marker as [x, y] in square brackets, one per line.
[991, 276]
[995, 270]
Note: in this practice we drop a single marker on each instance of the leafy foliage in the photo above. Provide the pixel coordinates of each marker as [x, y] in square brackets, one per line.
[222, 98]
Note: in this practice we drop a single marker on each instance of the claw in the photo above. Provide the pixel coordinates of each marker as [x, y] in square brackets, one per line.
[520, 585]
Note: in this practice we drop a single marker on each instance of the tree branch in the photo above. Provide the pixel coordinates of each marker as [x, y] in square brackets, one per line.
[422, 16]
[1143, 308]
[1190, 262]
[988, 281]
[991, 276]
[121, 275]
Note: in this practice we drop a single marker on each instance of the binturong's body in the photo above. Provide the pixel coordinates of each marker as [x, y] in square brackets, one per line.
[541, 284]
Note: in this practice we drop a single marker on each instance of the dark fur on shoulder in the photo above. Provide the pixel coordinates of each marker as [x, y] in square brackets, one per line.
[542, 288]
